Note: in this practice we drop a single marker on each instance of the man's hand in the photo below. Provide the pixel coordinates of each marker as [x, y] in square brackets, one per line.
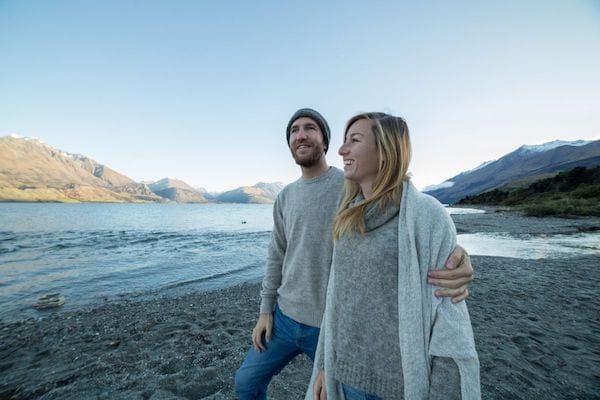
[264, 325]
[455, 278]
[319, 391]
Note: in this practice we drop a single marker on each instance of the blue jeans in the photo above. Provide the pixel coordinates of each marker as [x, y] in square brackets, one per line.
[351, 393]
[289, 339]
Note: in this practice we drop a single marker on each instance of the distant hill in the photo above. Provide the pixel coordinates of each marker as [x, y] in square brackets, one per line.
[30, 170]
[176, 190]
[260, 193]
[526, 164]
[568, 193]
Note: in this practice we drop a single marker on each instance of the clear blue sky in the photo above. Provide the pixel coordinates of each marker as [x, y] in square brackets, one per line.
[202, 90]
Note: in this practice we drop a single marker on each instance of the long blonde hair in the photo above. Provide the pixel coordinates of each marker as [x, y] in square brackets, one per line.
[393, 144]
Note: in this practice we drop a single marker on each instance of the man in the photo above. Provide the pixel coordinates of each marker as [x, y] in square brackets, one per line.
[299, 259]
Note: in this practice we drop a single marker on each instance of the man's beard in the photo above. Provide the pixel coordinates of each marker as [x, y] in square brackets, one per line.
[311, 159]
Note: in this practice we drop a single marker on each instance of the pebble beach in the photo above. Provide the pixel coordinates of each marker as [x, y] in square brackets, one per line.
[536, 325]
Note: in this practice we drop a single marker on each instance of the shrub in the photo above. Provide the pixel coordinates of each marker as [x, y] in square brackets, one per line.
[586, 191]
[539, 211]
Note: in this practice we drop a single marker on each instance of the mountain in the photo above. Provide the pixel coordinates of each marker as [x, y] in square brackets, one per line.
[260, 193]
[575, 192]
[178, 191]
[523, 165]
[31, 170]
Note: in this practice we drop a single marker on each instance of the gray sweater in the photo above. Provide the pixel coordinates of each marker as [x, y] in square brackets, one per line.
[365, 315]
[301, 245]
[416, 355]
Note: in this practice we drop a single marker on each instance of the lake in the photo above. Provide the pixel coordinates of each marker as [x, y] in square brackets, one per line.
[93, 252]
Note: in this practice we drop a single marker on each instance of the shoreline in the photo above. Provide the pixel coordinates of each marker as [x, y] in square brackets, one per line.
[536, 332]
[536, 325]
[502, 220]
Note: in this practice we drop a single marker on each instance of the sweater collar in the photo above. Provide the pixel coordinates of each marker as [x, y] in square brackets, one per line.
[376, 216]
[318, 178]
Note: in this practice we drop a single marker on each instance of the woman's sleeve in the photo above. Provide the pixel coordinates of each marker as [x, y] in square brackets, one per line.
[319, 362]
[320, 352]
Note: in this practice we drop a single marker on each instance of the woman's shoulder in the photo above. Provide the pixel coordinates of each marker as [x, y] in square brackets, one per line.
[430, 221]
[422, 203]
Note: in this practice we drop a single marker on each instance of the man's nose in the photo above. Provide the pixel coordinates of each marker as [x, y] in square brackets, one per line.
[301, 134]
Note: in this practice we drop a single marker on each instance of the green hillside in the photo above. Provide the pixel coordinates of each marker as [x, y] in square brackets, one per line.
[571, 193]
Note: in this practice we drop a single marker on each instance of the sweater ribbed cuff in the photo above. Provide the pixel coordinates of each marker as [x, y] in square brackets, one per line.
[267, 305]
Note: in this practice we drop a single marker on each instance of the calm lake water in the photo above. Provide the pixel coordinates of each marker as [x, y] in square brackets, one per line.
[92, 252]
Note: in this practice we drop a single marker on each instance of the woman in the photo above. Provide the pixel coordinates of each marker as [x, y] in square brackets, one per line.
[384, 334]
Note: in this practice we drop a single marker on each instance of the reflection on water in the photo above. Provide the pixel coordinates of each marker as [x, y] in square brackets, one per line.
[530, 246]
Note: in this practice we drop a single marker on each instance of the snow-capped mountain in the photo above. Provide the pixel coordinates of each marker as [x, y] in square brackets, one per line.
[539, 148]
[525, 163]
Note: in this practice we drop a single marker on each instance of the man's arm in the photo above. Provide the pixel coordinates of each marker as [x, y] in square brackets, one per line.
[271, 281]
[274, 268]
[455, 278]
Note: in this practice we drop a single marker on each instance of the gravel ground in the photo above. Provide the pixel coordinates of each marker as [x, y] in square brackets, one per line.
[536, 324]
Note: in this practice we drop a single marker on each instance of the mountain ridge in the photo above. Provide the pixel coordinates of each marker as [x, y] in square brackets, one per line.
[33, 171]
[260, 193]
[574, 192]
[525, 163]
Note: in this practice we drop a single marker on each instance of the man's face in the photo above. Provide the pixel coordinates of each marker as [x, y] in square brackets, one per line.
[306, 142]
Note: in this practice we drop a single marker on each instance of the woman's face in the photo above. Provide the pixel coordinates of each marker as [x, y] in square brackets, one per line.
[360, 154]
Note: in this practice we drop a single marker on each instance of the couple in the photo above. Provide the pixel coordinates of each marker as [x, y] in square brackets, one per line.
[357, 268]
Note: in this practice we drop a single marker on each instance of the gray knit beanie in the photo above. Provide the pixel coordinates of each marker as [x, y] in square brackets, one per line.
[318, 118]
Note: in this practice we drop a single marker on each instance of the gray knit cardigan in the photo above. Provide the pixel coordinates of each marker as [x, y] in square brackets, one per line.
[428, 326]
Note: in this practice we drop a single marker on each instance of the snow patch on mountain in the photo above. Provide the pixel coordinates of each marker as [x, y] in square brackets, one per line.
[538, 148]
